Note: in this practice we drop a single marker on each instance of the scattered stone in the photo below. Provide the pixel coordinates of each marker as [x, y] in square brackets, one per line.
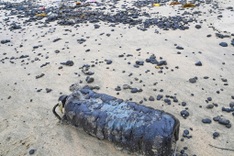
[68, 63]
[151, 98]
[193, 80]
[198, 63]
[31, 151]
[5, 41]
[14, 26]
[89, 79]
[206, 121]
[118, 88]
[215, 135]
[159, 97]
[80, 41]
[227, 109]
[48, 90]
[184, 114]
[96, 26]
[221, 35]
[210, 106]
[57, 39]
[168, 101]
[183, 103]
[140, 63]
[40, 76]
[232, 42]
[209, 99]
[126, 86]
[108, 61]
[152, 60]
[134, 90]
[223, 44]
[179, 47]
[231, 104]
[222, 121]
[198, 26]
[186, 134]
[45, 64]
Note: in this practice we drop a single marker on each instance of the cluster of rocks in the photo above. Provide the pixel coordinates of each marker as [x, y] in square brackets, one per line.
[67, 15]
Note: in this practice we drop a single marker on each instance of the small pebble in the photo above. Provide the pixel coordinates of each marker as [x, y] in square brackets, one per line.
[31, 151]
[198, 63]
[223, 44]
[206, 121]
[184, 114]
[215, 135]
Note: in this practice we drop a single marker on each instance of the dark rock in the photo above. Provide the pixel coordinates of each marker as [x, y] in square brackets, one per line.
[89, 79]
[198, 26]
[210, 106]
[232, 42]
[175, 99]
[231, 104]
[140, 63]
[185, 133]
[126, 86]
[5, 41]
[193, 80]
[216, 118]
[80, 41]
[108, 61]
[209, 99]
[48, 90]
[68, 63]
[159, 97]
[223, 44]
[136, 66]
[224, 121]
[168, 101]
[57, 39]
[14, 26]
[134, 90]
[198, 63]
[57, 51]
[151, 98]
[45, 64]
[215, 135]
[179, 47]
[221, 35]
[96, 26]
[118, 88]
[227, 109]
[163, 62]
[40, 76]
[206, 121]
[183, 103]
[31, 151]
[184, 114]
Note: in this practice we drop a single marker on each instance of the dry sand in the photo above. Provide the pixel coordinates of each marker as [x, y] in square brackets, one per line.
[26, 119]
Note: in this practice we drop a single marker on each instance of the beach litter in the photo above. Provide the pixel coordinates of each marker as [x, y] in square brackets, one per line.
[133, 127]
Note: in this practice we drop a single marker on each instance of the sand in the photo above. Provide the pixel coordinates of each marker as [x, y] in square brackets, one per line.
[26, 119]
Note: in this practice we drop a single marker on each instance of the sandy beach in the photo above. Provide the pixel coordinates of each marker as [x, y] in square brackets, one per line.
[198, 75]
